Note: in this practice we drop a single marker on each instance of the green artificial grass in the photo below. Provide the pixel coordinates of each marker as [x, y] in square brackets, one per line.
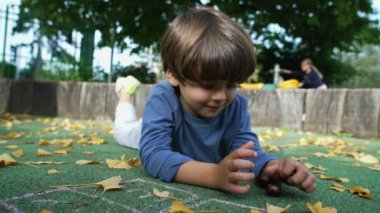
[24, 188]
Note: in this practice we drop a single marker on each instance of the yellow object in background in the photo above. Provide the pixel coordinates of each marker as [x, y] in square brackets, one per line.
[289, 84]
[251, 86]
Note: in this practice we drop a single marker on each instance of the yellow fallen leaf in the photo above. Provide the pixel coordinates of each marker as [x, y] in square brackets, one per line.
[164, 194]
[11, 135]
[9, 125]
[368, 159]
[107, 184]
[46, 211]
[88, 152]
[342, 180]
[375, 167]
[254, 211]
[303, 142]
[317, 208]
[299, 158]
[178, 207]
[83, 162]
[96, 140]
[110, 183]
[53, 171]
[361, 192]
[44, 162]
[61, 152]
[325, 155]
[338, 187]
[309, 165]
[6, 160]
[18, 153]
[56, 142]
[11, 147]
[41, 152]
[276, 209]
[118, 164]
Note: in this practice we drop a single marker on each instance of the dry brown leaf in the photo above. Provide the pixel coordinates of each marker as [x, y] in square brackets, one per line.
[110, 183]
[42, 152]
[178, 207]
[44, 162]
[11, 147]
[164, 194]
[18, 153]
[361, 192]
[317, 208]
[134, 162]
[83, 162]
[61, 152]
[118, 164]
[6, 160]
[276, 209]
[342, 180]
[53, 171]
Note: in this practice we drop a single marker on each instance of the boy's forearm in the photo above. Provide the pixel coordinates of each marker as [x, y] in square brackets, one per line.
[199, 174]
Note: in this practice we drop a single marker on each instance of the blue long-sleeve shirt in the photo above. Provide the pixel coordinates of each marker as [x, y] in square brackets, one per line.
[312, 80]
[171, 136]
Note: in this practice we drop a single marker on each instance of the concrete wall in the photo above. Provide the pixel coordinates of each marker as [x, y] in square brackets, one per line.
[354, 111]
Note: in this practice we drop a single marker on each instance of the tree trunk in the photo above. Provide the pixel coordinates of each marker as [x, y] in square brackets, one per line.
[86, 54]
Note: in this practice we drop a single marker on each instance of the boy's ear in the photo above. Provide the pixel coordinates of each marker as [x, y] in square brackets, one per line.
[172, 79]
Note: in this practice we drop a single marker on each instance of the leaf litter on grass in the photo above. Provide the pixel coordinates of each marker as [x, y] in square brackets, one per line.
[107, 184]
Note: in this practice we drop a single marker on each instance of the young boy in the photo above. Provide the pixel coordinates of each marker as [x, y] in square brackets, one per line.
[195, 128]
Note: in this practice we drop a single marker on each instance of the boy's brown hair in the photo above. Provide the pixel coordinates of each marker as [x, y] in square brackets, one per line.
[204, 45]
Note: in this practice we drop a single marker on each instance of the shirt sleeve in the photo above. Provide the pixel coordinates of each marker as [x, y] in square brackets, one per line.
[156, 153]
[244, 135]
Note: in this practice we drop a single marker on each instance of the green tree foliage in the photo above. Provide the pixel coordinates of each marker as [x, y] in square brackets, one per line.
[287, 31]
[367, 63]
[314, 29]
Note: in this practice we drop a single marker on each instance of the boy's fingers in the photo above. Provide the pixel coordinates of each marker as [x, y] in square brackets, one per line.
[238, 189]
[243, 153]
[288, 168]
[299, 177]
[236, 177]
[248, 145]
[309, 184]
[239, 164]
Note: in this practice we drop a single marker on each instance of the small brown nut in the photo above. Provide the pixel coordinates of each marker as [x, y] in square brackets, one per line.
[273, 190]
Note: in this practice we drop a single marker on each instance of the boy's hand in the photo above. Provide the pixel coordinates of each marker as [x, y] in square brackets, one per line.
[230, 169]
[288, 171]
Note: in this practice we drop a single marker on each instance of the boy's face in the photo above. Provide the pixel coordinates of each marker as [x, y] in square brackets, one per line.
[206, 100]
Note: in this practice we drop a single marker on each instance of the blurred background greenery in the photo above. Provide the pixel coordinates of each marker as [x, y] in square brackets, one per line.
[341, 36]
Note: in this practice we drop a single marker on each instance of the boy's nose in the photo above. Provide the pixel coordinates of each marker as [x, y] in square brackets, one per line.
[219, 95]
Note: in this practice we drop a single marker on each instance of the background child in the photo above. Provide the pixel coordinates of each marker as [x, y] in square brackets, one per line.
[312, 77]
[195, 128]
